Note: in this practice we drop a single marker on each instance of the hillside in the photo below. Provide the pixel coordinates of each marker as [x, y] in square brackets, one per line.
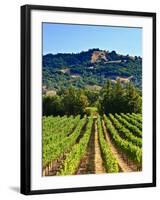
[90, 68]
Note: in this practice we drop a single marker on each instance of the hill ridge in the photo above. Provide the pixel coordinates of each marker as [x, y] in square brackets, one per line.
[92, 67]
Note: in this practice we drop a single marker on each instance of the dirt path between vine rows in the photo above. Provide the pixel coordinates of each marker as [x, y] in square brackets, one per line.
[55, 165]
[87, 162]
[92, 162]
[99, 168]
[124, 167]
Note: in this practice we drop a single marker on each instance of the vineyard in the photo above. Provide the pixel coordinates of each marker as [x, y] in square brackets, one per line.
[91, 145]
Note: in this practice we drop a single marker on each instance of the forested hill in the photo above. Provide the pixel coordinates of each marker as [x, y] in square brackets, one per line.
[90, 69]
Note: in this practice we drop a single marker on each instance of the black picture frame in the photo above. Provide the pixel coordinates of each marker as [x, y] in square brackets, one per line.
[26, 98]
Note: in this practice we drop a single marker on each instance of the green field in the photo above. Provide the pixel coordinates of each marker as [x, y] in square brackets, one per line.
[92, 144]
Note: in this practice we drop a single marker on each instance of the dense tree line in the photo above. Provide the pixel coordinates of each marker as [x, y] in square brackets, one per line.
[112, 98]
[72, 102]
[116, 98]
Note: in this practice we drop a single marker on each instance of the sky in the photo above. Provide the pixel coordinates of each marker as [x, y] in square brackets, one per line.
[69, 38]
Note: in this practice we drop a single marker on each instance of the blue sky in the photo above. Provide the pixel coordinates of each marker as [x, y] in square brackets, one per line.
[67, 38]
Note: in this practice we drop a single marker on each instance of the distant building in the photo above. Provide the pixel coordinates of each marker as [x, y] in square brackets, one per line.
[124, 80]
[51, 93]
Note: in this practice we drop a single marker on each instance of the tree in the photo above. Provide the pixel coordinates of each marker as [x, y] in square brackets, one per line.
[133, 99]
[106, 98]
[74, 101]
[92, 96]
[118, 98]
[52, 105]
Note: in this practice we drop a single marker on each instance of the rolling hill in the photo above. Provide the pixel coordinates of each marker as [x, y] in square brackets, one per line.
[90, 69]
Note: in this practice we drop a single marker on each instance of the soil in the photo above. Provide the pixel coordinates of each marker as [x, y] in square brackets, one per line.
[124, 164]
[92, 162]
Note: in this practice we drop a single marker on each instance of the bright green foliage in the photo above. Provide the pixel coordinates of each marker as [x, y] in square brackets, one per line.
[58, 140]
[124, 132]
[129, 126]
[133, 152]
[91, 111]
[132, 121]
[110, 162]
[72, 161]
[61, 137]
[137, 117]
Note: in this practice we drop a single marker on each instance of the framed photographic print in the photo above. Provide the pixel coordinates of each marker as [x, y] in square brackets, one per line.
[88, 99]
